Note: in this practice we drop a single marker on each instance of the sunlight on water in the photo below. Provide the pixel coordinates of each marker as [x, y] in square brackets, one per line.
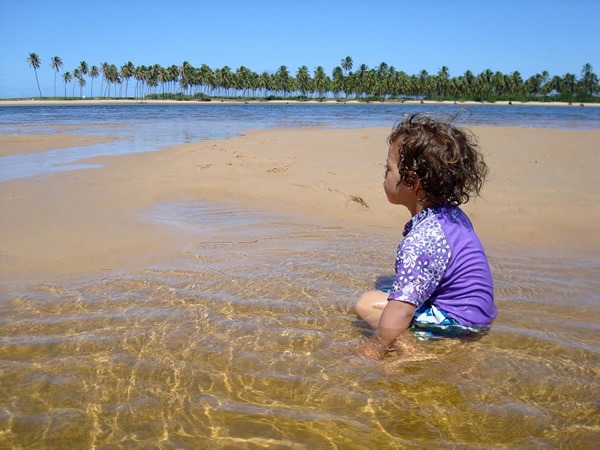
[243, 342]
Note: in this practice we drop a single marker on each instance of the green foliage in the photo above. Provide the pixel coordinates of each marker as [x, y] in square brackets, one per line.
[347, 81]
[202, 97]
[374, 98]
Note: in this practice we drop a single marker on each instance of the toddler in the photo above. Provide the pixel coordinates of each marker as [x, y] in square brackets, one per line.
[443, 285]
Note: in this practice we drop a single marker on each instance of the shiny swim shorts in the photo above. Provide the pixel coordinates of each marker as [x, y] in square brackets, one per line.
[432, 322]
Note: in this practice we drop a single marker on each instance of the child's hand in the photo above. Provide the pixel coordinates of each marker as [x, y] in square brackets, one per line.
[371, 350]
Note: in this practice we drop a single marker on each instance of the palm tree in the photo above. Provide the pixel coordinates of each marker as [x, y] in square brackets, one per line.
[67, 77]
[110, 74]
[153, 76]
[141, 75]
[56, 63]
[83, 67]
[346, 64]
[265, 83]
[321, 81]
[589, 80]
[303, 79]
[337, 82]
[113, 77]
[383, 78]
[362, 79]
[173, 76]
[468, 83]
[242, 79]
[76, 76]
[34, 61]
[186, 75]
[83, 71]
[484, 83]
[423, 85]
[442, 81]
[517, 83]
[534, 84]
[205, 78]
[569, 84]
[224, 79]
[556, 85]
[127, 71]
[94, 73]
[283, 81]
[104, 68]
[82, 82]
[163, 78]
[498, 83]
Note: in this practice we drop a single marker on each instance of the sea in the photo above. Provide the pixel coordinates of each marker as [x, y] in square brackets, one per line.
[243, 341]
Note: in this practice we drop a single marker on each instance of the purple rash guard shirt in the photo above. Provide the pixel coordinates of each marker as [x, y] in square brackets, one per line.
[441, 261]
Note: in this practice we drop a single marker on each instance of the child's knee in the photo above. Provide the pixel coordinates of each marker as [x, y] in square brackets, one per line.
[370, 300]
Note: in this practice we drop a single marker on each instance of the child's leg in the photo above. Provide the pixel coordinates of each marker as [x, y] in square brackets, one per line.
[370, 305]
[369, 308]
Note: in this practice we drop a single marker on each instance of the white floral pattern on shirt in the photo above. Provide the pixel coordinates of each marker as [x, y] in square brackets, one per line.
[421, 260]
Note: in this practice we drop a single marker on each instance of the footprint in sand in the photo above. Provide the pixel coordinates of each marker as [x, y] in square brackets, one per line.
[357, 199]
[278, 169]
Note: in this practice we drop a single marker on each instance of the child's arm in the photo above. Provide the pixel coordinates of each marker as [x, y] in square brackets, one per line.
[395, 318]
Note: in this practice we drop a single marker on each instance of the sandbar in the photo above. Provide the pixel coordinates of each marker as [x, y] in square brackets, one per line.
[542, 194]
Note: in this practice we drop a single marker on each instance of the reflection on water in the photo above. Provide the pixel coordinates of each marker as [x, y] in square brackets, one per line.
[242, 343]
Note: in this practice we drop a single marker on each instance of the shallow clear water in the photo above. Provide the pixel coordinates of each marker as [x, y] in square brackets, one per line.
[242, 342]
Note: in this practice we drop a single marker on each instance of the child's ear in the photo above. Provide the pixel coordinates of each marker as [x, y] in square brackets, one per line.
[416, 182]
[418, 189]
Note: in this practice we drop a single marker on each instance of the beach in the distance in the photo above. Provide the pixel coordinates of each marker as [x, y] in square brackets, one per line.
[130, 101]
[202, 293]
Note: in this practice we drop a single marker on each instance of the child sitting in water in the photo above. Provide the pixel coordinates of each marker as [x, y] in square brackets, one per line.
[443, 284]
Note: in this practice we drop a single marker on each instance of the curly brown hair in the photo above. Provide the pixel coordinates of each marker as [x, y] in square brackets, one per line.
[444, 158]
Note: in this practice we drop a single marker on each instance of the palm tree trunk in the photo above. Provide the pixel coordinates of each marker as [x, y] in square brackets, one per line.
[37, 81]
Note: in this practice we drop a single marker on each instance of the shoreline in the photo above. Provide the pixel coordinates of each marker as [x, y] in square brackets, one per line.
[88, 220]
[91, 102]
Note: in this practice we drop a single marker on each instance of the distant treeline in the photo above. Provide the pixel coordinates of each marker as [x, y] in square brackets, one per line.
[383, 82]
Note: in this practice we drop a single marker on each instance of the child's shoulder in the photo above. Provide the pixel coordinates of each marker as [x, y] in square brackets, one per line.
[452, 216]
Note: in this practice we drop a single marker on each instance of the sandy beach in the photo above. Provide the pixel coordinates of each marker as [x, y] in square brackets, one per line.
[541, 193]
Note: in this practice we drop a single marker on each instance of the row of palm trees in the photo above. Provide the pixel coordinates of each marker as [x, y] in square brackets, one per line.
[382, 82]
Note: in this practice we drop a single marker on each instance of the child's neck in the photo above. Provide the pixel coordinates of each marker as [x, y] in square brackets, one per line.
[419, 206]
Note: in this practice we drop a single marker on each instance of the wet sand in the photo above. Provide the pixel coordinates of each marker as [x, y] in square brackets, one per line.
[542, 193]
[15, 144]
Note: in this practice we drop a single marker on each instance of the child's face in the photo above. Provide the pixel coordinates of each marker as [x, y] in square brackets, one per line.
[397, 193]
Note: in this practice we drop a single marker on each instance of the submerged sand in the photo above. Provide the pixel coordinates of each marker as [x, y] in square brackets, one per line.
[542, 193]
[15, 144]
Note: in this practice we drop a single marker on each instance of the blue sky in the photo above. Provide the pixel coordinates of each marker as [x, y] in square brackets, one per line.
[530, 36]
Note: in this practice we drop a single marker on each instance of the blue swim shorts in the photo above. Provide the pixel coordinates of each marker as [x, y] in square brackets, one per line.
[432, 322]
